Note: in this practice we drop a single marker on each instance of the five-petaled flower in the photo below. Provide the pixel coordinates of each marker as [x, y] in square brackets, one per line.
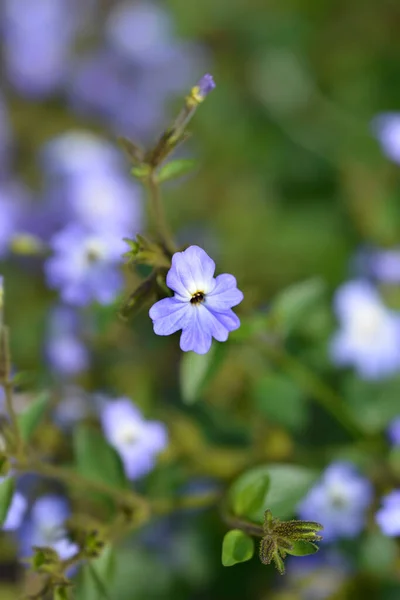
[202, 304]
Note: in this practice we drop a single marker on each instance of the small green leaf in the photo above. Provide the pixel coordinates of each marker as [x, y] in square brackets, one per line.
[294, 304]
[378, 553]
[175, 169]
[97, 460]
[281, 401]
[194, 369]
[6, 495]
[30, 418]
[141, 172]
[302, 548]
[288, 484]
[250, 498]
[237, 547]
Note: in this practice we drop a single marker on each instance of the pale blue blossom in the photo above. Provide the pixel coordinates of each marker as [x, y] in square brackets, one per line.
[202, 305]
[339, 501]
[369, 333]
[388, 516]
[136, 440]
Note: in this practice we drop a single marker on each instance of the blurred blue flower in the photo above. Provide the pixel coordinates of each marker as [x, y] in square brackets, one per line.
[37, 38]
[16, 511]
[5, 138]
[136, 440]
[139, 67]
[65, 351]
[13, 207]
[369, 334]
[388, 517]
[386, 128]
[202, 304]
[78, 152]
[141, 32]
[85, 266]
[338, 501]
[384, 265]
[45, 527]
[74, 406]
[394, 431]
[318, 576]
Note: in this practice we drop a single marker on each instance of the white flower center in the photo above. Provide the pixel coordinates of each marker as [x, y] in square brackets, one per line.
[94, 250]
[127, 435]
[368, 322]
[338, 495]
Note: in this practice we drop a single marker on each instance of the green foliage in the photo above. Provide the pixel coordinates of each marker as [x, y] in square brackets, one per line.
[372, 403]
[294, 304]
[96, 460]
[7, 488]
[280, 400]
[302, 548]
[175, 169]
[194, 373]
[249, 497]
[237, 547]
[378, 553]
[283, 485]
[30, 418]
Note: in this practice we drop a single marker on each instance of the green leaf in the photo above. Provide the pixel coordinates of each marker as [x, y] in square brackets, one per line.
[378, 553]
[288, 484]
[303, 548]
[30, 418]
[237, 547]
[97, 460]
[250, 498]
[281, 401]
[6, 495]
[194, 369]
[174, 169]
[372, 403]
[294, 304]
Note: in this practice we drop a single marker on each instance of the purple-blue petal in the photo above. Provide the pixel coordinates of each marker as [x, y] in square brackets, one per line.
[170, 315]
[195, 337]
[192, 270]
[224, 294]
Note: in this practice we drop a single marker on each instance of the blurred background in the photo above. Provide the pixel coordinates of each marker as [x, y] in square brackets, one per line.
[297, 179]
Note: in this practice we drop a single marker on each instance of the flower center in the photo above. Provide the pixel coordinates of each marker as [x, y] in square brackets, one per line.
[128, 435]
[368, 324]
[197, 298]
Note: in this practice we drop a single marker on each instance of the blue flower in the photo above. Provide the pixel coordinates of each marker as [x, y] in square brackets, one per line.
[394, 431]
[388, 517]
[65, 351]
[16, 511]
[85, 266]
[136, 440]
[386, 128]
[78, 152]
[45, 527]
[37, 40]
[338, 501]
[202, 304]
[369, 335]
[317, 576]
[13, 204]
[384, 265]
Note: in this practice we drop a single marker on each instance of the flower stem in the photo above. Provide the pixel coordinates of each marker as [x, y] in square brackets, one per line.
[74, 479]
[7, 384]
[159, 214]
[326, 397]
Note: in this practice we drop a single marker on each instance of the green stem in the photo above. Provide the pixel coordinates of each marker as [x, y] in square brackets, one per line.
[159, 214]
[73, 479]
[8, 387]
[330, 401]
